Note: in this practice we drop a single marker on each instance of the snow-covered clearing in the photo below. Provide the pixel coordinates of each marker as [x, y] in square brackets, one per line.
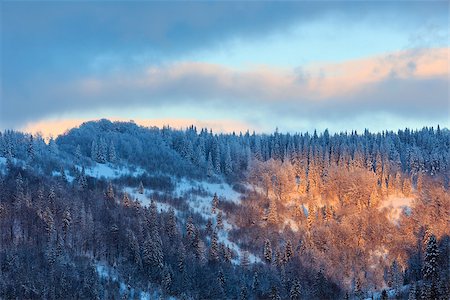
[106, 272]
[292, 224]
[396, 206]
[69, 178]
[145, 199]
[390, 293]
[108, 171]
[223, 190]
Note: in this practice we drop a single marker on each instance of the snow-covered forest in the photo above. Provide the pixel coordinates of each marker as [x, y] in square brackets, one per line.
[119, 211]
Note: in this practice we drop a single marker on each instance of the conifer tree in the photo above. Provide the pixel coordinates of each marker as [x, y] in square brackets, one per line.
[102, 153]
[190, 229]
[94, 151]
[272, 213]
[141, 188]
[78, 154]
[214, 203]
[274, 295]
[110, 191]
[430, 270]
[430, 265]
[412, 291]
[228, 164]
[67, 221]
[63, 174]
[255, 284]
[244, 294]
[209, 227]
[214, 248]
[30, 149]
[288, 251]
[295, 291]
[210, 166]
[112, 156]
[219, 224]
[171, 226]
[267, 251]
[245, 259]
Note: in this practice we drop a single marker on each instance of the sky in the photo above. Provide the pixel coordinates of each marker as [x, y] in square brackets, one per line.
[228, 65]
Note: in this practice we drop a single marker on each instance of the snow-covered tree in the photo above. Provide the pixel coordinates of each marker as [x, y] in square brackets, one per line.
[141, 188]
[214, 203]
[295, 292]
[112, 156]
[267, 251]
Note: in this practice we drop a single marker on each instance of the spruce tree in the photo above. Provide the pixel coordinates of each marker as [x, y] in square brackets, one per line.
[430, 270]
[255, 284]
[295, 292]
[214, 203]
[112, 156]
[219, 224]
[245, 259]
[272, 214]
[141, 188]
[210, 166]
[214, 248]
[288, 251]
[110, 191]
[267, 251]
[94, 151]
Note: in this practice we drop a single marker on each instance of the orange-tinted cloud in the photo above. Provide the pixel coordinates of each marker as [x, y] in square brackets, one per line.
[407, 84]
[319, 81]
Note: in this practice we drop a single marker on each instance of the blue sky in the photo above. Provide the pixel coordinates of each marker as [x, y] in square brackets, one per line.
[246, 65]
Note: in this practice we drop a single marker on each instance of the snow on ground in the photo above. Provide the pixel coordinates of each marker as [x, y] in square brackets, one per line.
[292, 224]
[202, 206]
[390, 293]
[106, 272]
[199, 195]
[145, 199]
[223, 190]
[223, 238]
[69, 178]
[396, 206]
[108, 171]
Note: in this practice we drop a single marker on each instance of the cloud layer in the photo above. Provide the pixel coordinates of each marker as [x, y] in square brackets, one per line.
[204, 61]
[406, 84]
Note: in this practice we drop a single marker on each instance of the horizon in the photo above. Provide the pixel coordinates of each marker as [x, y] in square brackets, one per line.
[47, 130]
[295, 66]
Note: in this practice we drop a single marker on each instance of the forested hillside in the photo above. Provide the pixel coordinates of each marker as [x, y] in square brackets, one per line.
[119, 211]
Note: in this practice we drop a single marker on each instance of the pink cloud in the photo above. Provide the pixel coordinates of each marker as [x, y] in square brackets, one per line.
[398, 83]
[323, 80]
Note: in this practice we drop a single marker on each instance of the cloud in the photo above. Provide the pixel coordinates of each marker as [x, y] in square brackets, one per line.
[406, 84]
[80, 58]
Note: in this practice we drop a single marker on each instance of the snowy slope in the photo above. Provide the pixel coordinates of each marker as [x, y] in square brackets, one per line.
[198, 195]
[223, 190]
[106, 272]
[145, 199]
[108, 171]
